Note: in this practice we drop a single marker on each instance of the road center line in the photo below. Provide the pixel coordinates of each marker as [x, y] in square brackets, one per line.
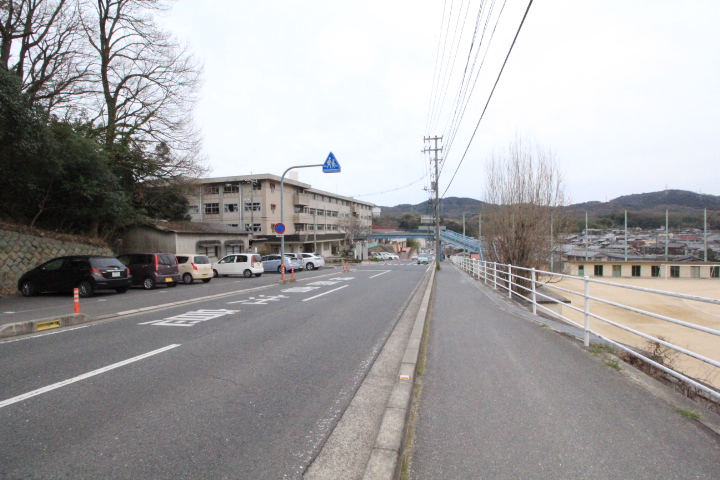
[54, 386]
[329, 291]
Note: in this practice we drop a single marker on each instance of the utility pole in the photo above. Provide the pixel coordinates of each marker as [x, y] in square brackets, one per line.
[435, 186]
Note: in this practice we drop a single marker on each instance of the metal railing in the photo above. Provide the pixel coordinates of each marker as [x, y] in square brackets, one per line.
[523, 283]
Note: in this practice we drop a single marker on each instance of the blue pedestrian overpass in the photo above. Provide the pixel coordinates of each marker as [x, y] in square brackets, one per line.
[459, 240]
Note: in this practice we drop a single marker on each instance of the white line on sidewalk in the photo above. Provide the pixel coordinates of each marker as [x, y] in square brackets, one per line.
[54, 386]
[329, 291]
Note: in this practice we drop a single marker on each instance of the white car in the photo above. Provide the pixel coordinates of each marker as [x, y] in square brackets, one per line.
[245, 264]
[194, 267]
[313, 261]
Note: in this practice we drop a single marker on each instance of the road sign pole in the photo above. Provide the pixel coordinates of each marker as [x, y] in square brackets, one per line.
[331, 165]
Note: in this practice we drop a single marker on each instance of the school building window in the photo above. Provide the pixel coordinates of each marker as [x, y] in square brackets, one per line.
[212, 208]
[617, 270]
[598, 270]
[636, 270]
[675, 271]
[655, 270]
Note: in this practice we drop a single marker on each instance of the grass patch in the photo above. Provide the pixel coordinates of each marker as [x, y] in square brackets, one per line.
[613, 364]
[597, 348]
[688, 413]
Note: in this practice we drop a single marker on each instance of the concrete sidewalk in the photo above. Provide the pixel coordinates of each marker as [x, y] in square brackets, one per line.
[502, 397]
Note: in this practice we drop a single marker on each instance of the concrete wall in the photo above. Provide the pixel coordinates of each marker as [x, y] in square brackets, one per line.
[20, 252]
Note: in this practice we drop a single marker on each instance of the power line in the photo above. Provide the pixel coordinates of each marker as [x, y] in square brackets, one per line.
[490, 96]
[393, 190]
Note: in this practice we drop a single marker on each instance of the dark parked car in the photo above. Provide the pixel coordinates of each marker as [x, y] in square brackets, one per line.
[152, 269]
[86, 273]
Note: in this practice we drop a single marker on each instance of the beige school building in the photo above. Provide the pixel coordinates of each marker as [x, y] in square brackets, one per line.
[613, 268]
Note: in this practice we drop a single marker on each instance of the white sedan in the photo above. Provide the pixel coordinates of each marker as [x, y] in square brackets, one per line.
[312, 261]
[245, 264]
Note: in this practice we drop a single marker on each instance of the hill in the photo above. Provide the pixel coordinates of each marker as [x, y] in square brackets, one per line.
[645, 210]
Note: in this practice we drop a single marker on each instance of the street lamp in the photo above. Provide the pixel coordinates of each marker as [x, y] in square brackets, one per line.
[331, 165]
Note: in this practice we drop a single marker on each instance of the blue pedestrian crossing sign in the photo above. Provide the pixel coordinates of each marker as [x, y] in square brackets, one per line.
[331, 165]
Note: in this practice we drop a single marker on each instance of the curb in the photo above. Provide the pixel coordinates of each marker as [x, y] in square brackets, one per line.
[384, 459]
[34, 326]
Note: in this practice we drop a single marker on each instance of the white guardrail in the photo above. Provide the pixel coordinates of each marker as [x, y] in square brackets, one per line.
[527, 281]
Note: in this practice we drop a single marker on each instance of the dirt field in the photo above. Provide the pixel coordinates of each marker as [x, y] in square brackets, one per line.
[707, 315]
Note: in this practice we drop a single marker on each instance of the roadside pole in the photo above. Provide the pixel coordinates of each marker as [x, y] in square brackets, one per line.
[331, 165]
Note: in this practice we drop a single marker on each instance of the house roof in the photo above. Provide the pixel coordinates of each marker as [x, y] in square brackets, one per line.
[192, 227]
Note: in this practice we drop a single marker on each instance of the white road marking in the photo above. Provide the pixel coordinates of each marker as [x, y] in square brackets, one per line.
[54, 386]
[191, 318]
[260, 301]
[329, 291]
[299, 289]
[383, 273]
[9, 312]
[324, 282]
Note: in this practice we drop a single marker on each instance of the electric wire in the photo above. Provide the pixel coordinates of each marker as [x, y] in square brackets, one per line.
[437, 54]
[393, 190]
[448, 71]
[522, 22]
[453, 131]
[442, 59]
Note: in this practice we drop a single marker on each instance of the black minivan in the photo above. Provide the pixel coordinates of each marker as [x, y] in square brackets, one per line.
[84, 272]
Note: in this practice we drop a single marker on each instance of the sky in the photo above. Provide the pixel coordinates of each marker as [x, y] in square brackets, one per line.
[625, 94]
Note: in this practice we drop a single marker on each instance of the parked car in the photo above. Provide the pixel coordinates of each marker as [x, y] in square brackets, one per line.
[376, 257]
[414, 256]
[423, 259]
[313, 261]
[388, 256]
[299, 258]
[84, 272]
[271, 263]
[245, 264]
[152, 269]
[194, 267]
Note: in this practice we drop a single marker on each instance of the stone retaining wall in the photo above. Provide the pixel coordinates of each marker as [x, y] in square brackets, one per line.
[20, 252]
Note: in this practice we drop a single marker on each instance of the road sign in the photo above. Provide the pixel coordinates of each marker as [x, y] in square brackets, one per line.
[279, 228]
[331, 164]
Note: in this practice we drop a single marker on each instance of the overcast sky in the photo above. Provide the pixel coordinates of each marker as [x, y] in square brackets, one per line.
[627, 94]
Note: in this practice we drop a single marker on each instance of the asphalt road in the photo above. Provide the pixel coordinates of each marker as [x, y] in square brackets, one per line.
[247, 385]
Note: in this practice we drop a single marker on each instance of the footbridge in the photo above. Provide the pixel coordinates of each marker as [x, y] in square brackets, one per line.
[459, 240]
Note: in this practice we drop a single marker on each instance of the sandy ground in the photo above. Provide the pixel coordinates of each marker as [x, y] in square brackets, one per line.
[705, 314]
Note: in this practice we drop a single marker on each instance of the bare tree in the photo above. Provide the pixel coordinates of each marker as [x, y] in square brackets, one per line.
[353, 228]
[146, 84]
[525, 194]
[41, 42]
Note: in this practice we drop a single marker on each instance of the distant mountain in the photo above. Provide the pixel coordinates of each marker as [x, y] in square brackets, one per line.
[673, 200]
[450, 207]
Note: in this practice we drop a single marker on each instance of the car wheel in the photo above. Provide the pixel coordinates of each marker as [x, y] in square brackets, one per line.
[247, 274]
[215, 274]
[121, 289]
[280, 269]
[172, 284]
[148, 283]
[206, 280]
[310, 267]
[28, 289]
[258, 274]
[85, 289]
[187, 279]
